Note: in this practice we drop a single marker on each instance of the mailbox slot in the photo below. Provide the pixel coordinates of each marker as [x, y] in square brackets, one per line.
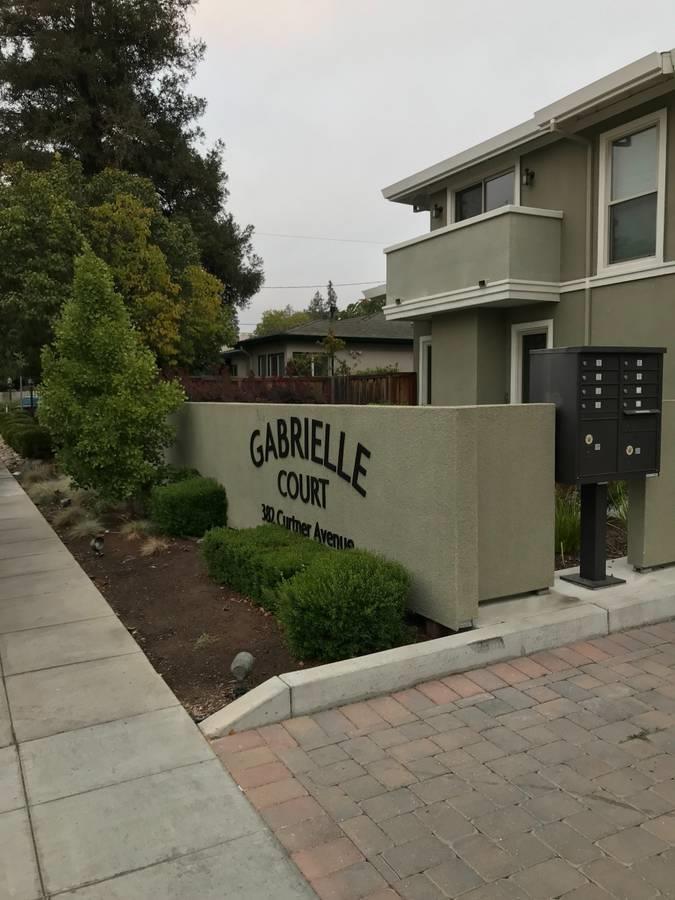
[599, 362]
[596, 391]
[637, 376]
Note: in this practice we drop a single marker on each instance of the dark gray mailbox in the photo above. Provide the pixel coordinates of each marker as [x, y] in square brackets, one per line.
[608, 428]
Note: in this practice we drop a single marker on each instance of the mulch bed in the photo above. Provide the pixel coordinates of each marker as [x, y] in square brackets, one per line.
[189, 627]
[617, 546]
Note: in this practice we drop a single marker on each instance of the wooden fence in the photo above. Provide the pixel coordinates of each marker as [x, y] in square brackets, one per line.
[398, 389]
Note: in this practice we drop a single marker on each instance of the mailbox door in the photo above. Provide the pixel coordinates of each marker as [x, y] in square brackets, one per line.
[597, 447]
[638, 451]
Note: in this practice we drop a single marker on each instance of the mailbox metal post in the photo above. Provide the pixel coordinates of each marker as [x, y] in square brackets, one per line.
[593, 563]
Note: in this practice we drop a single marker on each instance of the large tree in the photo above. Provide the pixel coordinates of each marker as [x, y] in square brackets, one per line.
[105, 82]
[40, 235]
[48, 216]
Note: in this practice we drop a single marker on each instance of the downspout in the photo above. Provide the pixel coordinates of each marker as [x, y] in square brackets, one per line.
[588, 248]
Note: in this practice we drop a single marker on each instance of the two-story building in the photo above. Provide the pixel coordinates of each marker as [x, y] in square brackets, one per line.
[560, 231]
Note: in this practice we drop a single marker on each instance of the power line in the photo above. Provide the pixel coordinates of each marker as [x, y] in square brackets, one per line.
[296, 287]
[312, 237]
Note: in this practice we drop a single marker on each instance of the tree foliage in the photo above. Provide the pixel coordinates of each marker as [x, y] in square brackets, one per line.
[47, 216]
[275, 321]
[318, 307]
[101, 398]
[39, 238]
[105, 82]
[366, 307]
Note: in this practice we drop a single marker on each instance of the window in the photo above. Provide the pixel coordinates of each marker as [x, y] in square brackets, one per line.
[262, 365]
[310, 363]
[632, 188]
[491, 193]
[275, 364]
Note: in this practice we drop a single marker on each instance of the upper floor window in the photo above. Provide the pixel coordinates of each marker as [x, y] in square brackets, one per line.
[490, 193]
[632, 192]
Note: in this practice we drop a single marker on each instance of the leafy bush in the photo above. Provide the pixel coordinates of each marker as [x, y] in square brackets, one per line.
[617, 501]
[189, 507]
[31, 441]
[257, 561]
[12, 419]
[567, 521]
[24, 435]
[345, 604]
[101, 396]
[168, 474]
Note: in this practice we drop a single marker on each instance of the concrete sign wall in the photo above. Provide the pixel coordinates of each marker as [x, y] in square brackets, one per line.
[462, 496]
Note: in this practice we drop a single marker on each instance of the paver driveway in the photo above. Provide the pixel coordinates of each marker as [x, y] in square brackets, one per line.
[549, 776]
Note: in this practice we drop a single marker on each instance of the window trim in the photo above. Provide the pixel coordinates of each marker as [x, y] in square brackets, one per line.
[469, 182]
[659, 118]
[518, 331]
[422, 370]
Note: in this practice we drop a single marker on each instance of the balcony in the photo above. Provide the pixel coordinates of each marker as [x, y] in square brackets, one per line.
[506, 257]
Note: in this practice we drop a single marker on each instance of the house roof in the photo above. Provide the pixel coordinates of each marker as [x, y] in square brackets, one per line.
[373, 328]
[650, 72]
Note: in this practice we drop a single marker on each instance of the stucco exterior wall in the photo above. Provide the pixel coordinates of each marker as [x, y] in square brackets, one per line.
[639, 313]
[651, 510]
[454, 367]
[507, 245]
[471, 516]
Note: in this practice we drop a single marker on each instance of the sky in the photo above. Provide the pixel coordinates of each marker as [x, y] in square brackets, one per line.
[322, 103]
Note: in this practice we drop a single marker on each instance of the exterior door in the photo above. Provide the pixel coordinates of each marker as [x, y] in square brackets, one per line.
[536, 341]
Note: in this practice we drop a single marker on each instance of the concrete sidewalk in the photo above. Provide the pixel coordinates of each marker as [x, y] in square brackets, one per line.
[108, 791]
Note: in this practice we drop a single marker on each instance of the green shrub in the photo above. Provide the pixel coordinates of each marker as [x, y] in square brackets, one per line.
[188, 508]
[345, 604]
[101, 395]
[168, 474]
[31, 441]
[257, 561]
[12, 419]
[617, 502]
[567, 521]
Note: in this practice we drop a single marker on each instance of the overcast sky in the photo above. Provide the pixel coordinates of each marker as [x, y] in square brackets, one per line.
[322, 103]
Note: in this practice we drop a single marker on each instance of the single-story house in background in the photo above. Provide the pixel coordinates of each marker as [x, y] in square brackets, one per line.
[370, 343]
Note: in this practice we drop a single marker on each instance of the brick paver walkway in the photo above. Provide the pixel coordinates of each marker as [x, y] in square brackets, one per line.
[551, 776]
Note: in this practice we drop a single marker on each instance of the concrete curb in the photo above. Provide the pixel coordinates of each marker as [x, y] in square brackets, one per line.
[308, 691]
[269, 702]
[305, 692]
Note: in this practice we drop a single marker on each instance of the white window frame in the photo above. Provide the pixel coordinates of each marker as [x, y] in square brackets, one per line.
[422, 370]
[660, 119]
[451, 192]
[518, 330]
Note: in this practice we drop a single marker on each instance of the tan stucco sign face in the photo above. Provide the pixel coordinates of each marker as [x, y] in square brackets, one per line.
[299, 442]
[462, 497]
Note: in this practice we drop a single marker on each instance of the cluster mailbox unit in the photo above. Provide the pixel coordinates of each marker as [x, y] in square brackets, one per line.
[608, 428]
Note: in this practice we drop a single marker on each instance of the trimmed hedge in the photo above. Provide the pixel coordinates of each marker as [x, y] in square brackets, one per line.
[345, 604]
[190, 507]
[258, 561]
[25, 435]
[32, 442]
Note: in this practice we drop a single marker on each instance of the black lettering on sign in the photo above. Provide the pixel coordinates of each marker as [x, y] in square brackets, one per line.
[314, 441]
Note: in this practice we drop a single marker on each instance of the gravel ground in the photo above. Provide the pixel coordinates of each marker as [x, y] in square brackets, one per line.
[8, 457]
